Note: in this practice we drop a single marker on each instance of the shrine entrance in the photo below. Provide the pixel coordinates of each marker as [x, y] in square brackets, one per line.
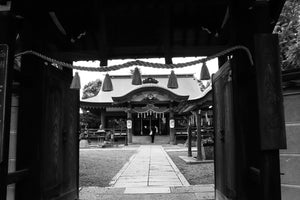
[36, 36]
[150, 121]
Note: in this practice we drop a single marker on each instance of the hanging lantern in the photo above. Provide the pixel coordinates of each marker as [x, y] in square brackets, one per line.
[75, 85]
[172, 83]
[136, 77]
[107, 84]
[204, 75]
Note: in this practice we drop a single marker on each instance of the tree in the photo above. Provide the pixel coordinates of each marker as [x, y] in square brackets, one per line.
[288, 29]
[89, 119]
[91, 89]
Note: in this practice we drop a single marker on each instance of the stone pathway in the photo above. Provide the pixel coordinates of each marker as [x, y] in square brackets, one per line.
[149, 174]
[150, 170]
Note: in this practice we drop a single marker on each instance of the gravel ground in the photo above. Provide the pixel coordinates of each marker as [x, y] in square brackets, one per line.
[194, 173]
[98, 167]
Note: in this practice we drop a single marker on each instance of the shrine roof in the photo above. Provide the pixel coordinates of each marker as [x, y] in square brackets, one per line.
[188, 85]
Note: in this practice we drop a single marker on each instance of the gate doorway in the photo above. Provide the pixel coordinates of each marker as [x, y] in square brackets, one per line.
[150, 121]
[47, 145]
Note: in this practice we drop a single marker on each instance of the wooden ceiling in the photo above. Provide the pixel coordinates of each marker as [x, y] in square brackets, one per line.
[111, 29]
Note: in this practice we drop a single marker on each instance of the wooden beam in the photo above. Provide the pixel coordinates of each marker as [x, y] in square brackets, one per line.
[137, 52]
[167, 32]
[270, 100]
[270, 175]
[7, 38]
[17, 176]
[101, 36]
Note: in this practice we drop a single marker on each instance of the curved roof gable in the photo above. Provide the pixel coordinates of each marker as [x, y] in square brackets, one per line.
[154, 88]
[187, 86]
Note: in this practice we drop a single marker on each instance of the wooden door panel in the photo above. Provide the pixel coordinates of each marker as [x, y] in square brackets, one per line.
[224, 134]
[219, 135]
[61, 143]
[71, 145]
[48, 123]
[52, 160]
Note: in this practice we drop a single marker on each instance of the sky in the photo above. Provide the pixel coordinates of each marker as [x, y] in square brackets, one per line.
[86, 77]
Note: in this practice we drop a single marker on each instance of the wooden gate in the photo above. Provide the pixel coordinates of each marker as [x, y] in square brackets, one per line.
[249, 125]
[47, 132]
[224, 134]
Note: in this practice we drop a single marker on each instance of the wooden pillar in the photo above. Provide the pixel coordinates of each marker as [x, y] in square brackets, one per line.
[271, 116]
[199, 139]
[141, 125]
[129, 129]
[172, 127]
[103, 118]
[189, 140]
[7, 38]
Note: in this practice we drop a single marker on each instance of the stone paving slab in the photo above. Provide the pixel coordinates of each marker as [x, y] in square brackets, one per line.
[128, 185]
[163, 178]
[150, 166]
[192, 160]
[204, 188]
[147, 190]
[168, 183]
[193, 192]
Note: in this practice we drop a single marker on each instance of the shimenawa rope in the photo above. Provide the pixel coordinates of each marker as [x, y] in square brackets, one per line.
[138, 62]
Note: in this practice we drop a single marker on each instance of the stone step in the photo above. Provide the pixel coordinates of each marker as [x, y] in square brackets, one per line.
[158, 139]
[193, 192]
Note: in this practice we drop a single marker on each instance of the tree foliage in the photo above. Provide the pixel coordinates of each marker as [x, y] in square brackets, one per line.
[90, 120]
[288, 29]
[91, 89]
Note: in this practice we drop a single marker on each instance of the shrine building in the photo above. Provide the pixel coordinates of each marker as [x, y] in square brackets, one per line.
[158, 102]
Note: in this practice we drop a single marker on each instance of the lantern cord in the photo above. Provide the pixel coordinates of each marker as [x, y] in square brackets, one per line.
[138, 62]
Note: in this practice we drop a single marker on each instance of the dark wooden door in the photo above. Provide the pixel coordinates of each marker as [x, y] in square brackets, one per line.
[49, 117]
[225, 166]
[59, 141]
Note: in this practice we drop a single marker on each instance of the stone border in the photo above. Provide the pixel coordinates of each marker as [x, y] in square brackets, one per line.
[178, 173]
[117, 176]
[192, 160]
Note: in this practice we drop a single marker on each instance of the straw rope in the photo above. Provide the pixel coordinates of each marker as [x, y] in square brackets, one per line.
[138, 62]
